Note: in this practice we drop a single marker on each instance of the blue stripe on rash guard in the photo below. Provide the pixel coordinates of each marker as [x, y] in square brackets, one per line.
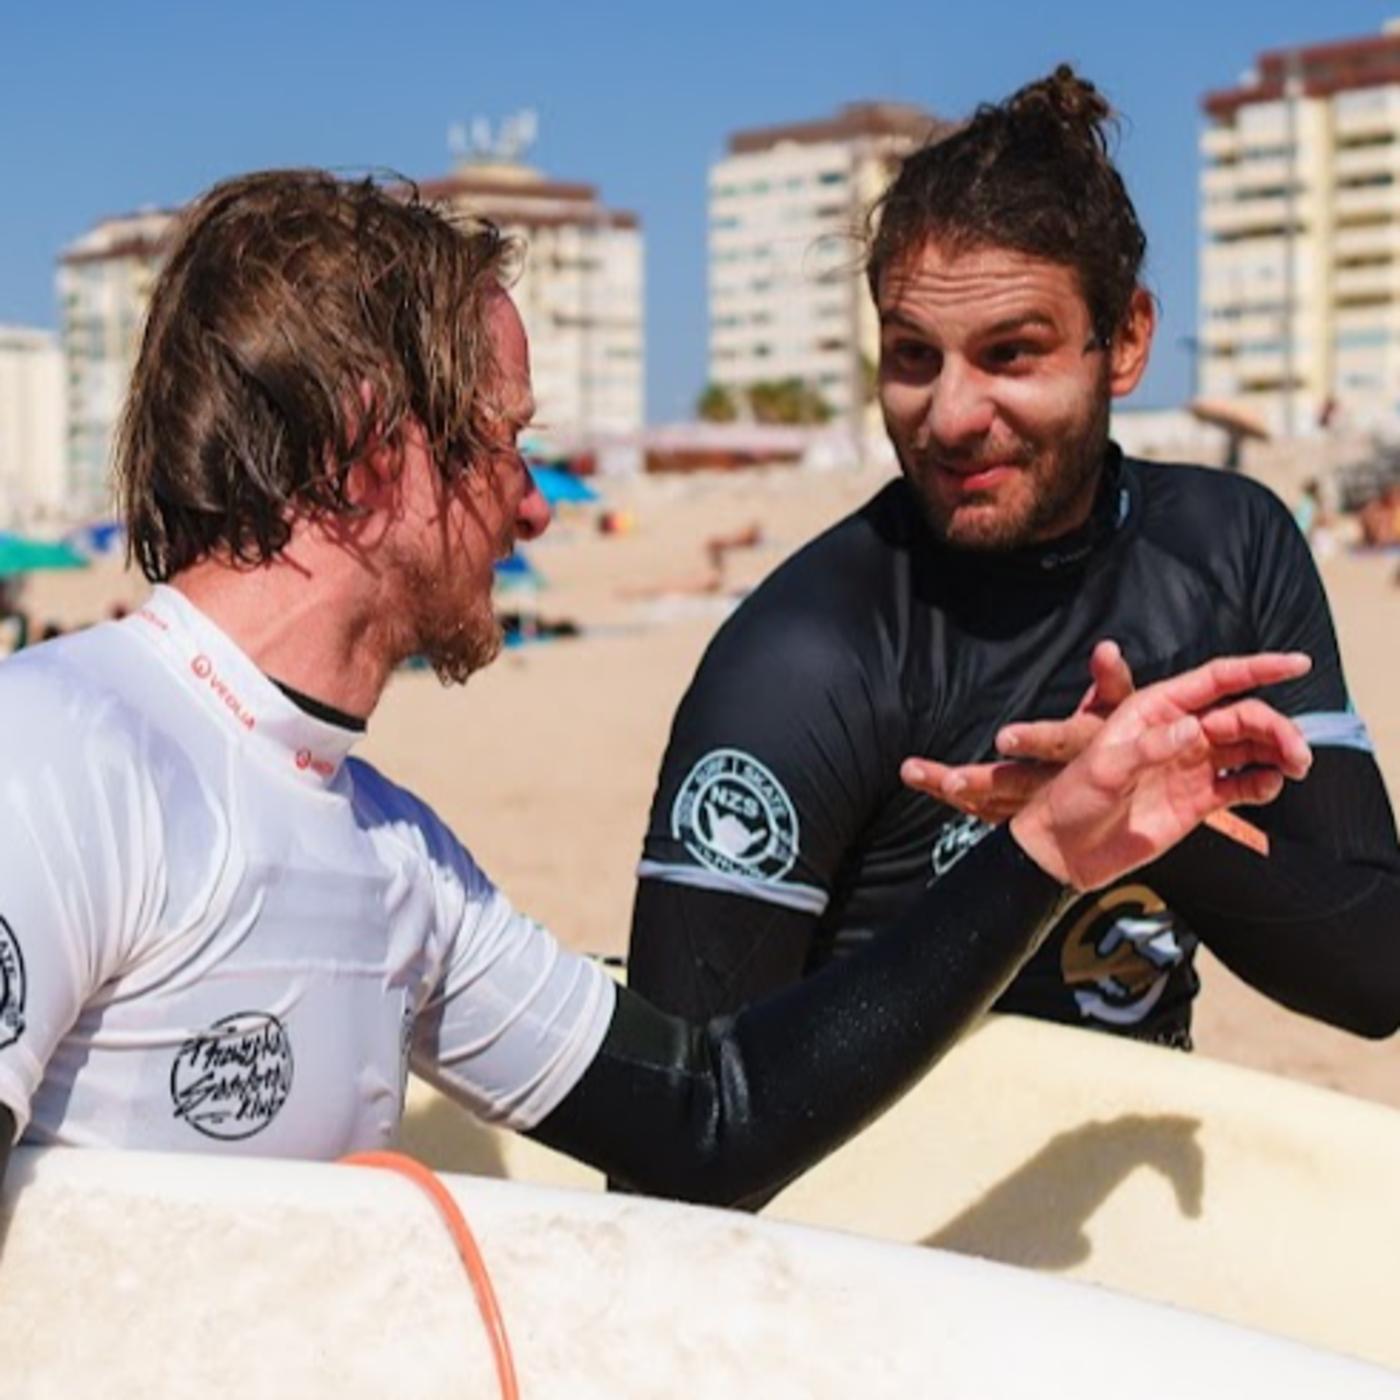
[1336, 729]
[806, 899]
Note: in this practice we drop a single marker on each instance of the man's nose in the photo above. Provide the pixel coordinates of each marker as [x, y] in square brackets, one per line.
[960, 407]
[532, 515]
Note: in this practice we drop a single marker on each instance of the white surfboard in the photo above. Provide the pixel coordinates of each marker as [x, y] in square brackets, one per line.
[133, 1275]
[1168, 1176]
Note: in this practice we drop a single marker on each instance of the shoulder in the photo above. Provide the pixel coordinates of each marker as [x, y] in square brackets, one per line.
[825, 605]
[1197, 493]
[411, 823]
[62, 701]
[1202, 512]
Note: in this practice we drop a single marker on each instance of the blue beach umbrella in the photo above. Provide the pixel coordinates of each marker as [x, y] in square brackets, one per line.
[559, 487]
[97, 538]
[517, 571]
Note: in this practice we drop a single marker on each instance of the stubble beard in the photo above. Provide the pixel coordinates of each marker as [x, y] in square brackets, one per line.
[456, 641]
[1064, 478]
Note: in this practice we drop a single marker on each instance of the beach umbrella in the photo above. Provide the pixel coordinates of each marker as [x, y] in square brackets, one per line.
[559, 487]
[97, 538]
[20, 555]
[1233, 417]
[516, 571]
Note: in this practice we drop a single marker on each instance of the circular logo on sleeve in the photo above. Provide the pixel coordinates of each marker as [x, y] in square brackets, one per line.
[230, 1081]
[11, 987]
[733, 815]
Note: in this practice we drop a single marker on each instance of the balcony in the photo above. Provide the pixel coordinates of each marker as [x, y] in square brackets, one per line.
[1368, 285]
[1365, 202]
[1358, 162]
[1220, 143]
[1377, 116]
[1249, 217]
[1235, 332]
[1367, 241]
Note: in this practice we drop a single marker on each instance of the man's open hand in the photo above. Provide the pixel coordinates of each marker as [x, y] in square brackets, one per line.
[1035, 751]
[1165, 760]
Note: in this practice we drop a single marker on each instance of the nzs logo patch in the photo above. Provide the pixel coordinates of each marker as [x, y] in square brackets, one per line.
[733, 815]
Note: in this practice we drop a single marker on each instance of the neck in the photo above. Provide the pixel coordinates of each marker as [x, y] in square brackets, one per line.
[313, 618]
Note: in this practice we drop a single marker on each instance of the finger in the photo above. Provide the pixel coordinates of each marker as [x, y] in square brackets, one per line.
[1229, 758]
[1253, 788]
[1049, 740]
[968, 783]
[1113, 680]
[1225, 676]
[973, 785]
[1252, 721]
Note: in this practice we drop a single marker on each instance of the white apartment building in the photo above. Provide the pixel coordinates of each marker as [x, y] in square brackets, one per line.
[104, 286]
[1299, 316]
[33, 484]
[787, 213]
[579, 291]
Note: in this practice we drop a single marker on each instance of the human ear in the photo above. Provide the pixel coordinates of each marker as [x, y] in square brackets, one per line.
[375, 469]
[1132, 343]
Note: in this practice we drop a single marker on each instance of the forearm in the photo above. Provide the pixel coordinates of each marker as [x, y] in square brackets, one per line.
[1318, 933]
[742, 1104]
[1315, 923]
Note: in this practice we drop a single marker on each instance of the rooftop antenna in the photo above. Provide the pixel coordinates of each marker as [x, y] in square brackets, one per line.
[505, 144]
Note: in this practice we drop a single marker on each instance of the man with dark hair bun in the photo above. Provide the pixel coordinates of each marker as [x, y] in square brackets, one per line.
[221, 932]
[964, 614]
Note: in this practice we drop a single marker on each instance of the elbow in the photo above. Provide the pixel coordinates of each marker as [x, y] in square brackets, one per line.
[1370, 1017]
[704, 1187]
[1374, 1022]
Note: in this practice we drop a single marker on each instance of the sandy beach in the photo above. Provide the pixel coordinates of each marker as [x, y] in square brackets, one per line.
[544, 764]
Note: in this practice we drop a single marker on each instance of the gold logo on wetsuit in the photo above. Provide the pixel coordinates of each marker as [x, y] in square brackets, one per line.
[1119, 954]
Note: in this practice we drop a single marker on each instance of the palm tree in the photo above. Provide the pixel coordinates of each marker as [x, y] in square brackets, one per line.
[717, 404]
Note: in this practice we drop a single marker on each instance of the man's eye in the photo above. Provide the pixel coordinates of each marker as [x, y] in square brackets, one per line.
[1010, 354]
[912, 354]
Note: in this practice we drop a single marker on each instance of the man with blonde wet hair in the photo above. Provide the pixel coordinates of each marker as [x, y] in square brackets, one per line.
[222, 932]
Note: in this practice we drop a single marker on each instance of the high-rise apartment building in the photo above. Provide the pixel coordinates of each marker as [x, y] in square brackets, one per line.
[1300, 259]
[32, 477]
[579, 291]
[787, 211]
[104, 286]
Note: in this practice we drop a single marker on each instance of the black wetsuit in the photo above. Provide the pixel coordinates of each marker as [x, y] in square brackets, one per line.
[780, 833]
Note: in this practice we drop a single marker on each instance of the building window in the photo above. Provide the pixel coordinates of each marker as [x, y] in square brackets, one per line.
[1362, 340]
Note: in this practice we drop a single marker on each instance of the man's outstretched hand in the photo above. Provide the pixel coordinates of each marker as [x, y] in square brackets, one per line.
[1032, 753]
[1167, 758]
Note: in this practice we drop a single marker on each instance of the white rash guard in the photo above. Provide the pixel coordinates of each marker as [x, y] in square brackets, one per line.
[219, 932]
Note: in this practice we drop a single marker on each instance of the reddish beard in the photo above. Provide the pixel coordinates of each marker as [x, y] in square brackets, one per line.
[454, 639]
[1063, 476]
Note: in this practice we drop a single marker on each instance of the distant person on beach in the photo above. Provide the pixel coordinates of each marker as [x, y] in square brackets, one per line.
[14, 621]
[952, 622]
[1313, 520]
[1379, 518]
[221, 932]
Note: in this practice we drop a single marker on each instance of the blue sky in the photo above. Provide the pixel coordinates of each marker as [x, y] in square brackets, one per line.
[107, 107]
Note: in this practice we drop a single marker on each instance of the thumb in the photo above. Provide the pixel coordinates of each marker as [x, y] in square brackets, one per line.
[1112, 677]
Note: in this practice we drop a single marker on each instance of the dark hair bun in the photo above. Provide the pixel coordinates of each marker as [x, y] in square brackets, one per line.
[1065, 100]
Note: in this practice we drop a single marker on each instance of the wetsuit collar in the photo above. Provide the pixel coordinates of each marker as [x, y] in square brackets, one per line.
[226, 682]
